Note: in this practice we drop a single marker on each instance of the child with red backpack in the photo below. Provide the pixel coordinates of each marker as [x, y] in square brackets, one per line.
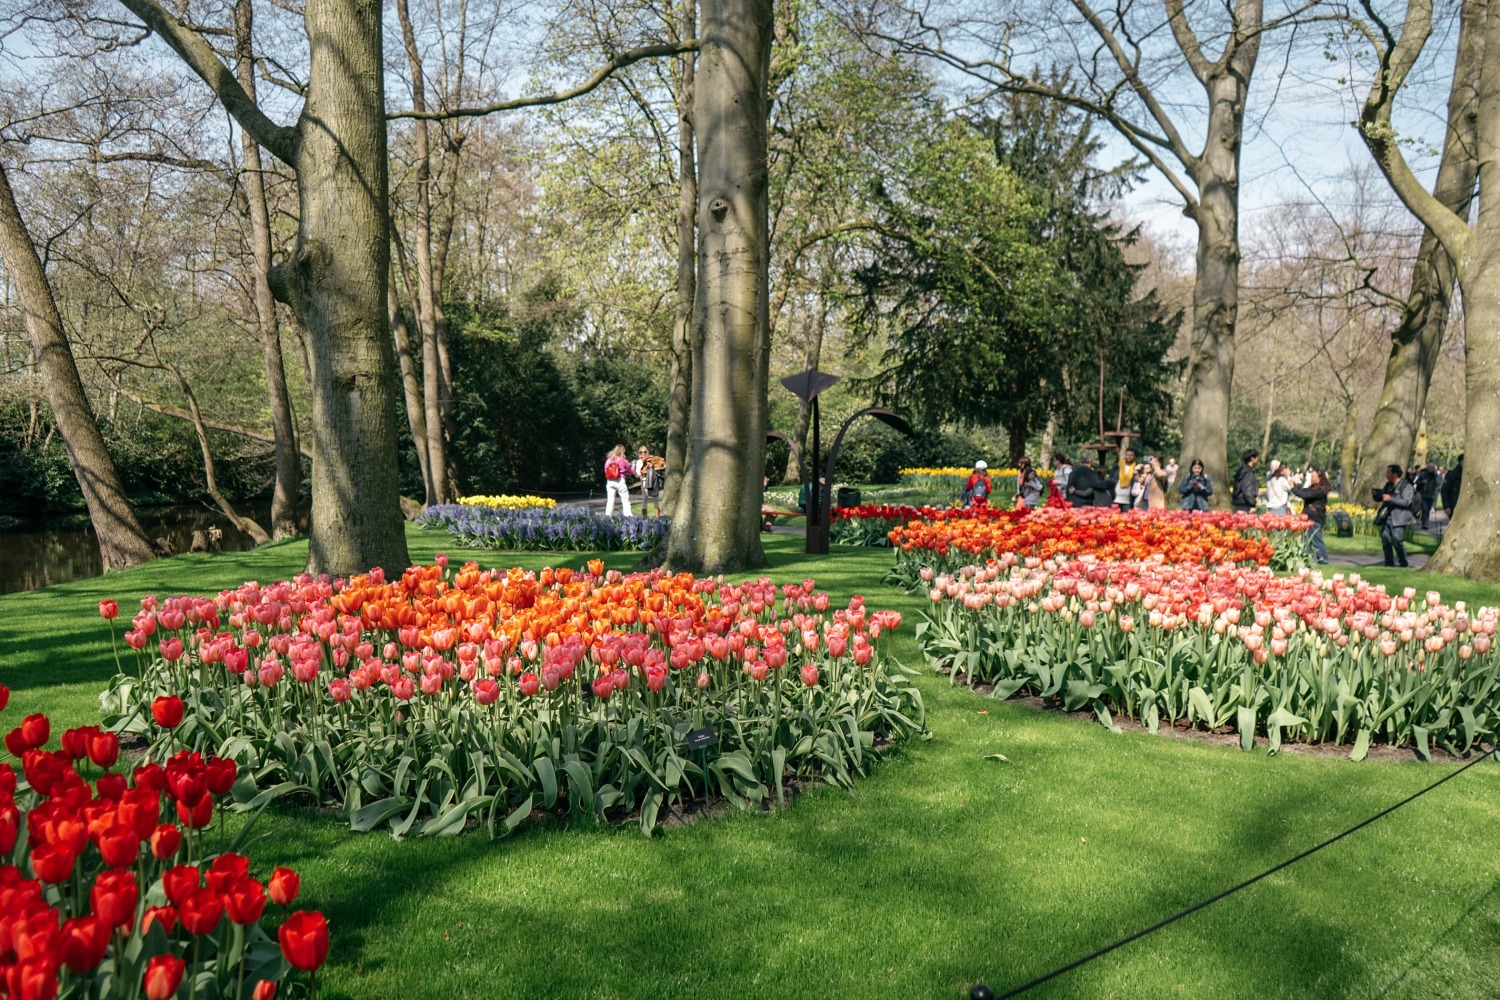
[617, 469]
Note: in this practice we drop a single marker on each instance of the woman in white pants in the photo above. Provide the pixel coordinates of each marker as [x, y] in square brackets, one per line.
[616, 471]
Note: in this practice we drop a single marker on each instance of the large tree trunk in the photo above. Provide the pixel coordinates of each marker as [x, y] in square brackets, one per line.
[1418, 337]
[1216, 285]
[716, 520]
[122, 542]
[336, 282]
[680, 380]
[283, 426]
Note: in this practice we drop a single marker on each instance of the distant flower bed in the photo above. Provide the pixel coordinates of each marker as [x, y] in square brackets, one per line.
[560, 529]
[953, 537]
[918, 472]
[509, 502]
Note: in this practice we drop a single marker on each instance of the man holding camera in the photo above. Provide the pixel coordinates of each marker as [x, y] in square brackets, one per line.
[1396, 498]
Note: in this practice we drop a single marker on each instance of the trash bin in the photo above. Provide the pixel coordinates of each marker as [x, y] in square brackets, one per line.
[1343, 527]
[847, 496]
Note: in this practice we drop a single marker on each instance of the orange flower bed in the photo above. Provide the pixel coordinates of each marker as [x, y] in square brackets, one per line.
[1105, 533]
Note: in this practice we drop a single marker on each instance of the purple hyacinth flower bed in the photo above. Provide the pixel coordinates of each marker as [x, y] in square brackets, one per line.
[561, 529]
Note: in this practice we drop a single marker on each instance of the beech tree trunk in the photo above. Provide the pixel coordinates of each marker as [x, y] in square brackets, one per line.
[425, 300]
[268, 332]
[1349, 453]
[716, 519]
[1418, 337]
[680, 377]
[411, 388]
[122, 541]
[336, 283]
[1216, 285]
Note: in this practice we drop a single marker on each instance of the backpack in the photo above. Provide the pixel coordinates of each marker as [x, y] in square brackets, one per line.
[611, 469]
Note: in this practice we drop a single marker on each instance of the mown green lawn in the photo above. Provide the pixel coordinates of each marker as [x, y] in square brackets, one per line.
[942, 868]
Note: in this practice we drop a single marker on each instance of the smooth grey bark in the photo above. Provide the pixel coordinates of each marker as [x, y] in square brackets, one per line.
[427, 294]
[288, 481]
[1418, 337]
[1216, 283]
[716, 520]
[680, 375]
[122, 541]
[335, 280]
[1471, 543]
[411, 386]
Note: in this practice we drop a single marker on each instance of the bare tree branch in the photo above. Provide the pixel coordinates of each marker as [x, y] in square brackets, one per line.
[599, 76]
[280, 140]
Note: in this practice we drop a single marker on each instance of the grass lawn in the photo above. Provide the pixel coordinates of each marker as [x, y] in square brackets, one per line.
[941, 869]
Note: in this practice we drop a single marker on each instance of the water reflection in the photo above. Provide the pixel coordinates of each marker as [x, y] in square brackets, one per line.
[39, 554]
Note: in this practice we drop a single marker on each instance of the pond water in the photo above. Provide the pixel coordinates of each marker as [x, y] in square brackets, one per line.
[40, 553]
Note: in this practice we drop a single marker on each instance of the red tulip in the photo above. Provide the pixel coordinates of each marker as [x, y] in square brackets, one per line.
[264, 990]
[10, 827]
[84, 941]
[530, 684]
[119, 846]
[75, 742]
[226, 870]
[53, 863]
[34, 979]
[140, 810]
[283, 886]
[179, 882]
[151, 777]
[221, 773]
[199, 913]
[104, 749]
[7, 779]
[167, 710]
[109, 610]
[166, 916]
[114, 896]
[34, 935]
[163, 976]
[4, 697]
[198, 816]
[165, 842]
[245, 901]
[304, 940]
[171, 650]
[111, 787]
[36, 730]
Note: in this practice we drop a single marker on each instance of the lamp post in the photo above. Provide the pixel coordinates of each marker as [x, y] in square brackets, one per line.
[806, 387]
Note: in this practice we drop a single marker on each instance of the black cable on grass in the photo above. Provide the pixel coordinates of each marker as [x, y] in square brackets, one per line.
[983, 992]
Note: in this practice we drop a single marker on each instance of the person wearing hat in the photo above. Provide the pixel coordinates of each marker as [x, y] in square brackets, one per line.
[977, 490]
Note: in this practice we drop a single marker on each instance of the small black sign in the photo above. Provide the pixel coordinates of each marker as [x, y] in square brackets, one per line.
[702, 739]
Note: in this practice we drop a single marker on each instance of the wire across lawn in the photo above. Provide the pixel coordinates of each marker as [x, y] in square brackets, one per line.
[944, 867]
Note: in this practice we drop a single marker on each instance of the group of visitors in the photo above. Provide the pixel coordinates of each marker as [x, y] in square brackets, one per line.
[649, 470]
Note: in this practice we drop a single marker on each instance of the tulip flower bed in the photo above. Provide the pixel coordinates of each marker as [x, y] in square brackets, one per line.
[509, 502]
[1308, 658]
[425, 703]
[955, 537]
[562, 529]
[107, 888]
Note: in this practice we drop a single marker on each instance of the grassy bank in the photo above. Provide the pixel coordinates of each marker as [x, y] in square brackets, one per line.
[943, 867]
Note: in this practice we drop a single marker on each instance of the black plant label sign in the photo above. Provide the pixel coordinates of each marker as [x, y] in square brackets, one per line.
[702, 739]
